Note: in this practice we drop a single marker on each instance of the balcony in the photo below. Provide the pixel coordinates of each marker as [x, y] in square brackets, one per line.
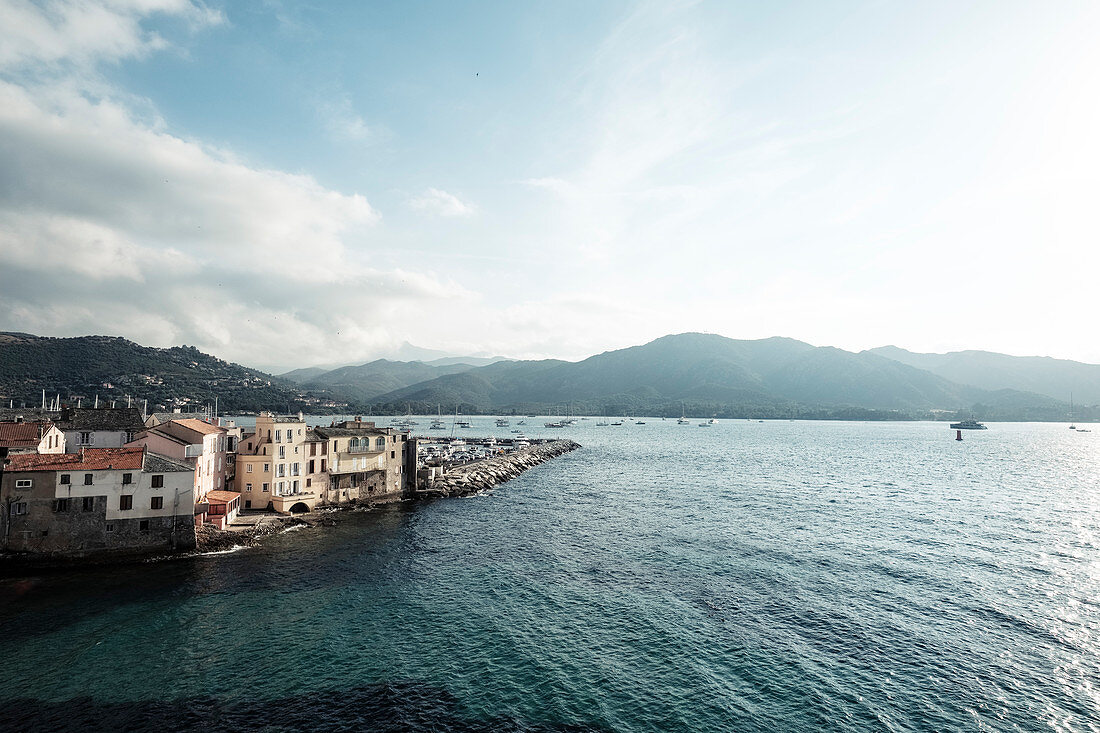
[359, 449]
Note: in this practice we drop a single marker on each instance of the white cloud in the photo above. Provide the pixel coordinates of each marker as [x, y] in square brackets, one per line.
[87, 32]
[111, 224]
[440, 203]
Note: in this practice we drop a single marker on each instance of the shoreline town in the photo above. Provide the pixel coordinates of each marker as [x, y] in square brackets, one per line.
[111, 483]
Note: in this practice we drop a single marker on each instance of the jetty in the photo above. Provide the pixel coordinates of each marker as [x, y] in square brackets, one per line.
[472, 477]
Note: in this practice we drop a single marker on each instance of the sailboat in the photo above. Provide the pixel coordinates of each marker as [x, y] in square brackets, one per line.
[1071, 425]
[437, 421]
[683, 415]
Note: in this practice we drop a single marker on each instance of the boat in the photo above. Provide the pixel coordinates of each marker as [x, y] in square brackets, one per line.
[1071, 425]
[640, 422]
[704, 424]
[617, 423]
[1083, 430]
[683, 415]
[522, 422]
[555, 424]
[968, 425]
[502, 423]
[712, 421]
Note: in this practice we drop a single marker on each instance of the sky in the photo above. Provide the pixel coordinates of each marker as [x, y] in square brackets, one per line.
[289, 184]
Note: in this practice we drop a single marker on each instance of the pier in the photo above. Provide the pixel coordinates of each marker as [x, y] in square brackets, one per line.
[470, 477]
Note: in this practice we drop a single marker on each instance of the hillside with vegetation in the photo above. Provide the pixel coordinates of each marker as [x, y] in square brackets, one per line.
[714, 375]
[83, 368]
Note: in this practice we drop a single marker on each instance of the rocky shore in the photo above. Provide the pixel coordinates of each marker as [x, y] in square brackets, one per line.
[475, 477]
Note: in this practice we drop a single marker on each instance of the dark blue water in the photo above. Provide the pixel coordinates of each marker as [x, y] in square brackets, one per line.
[779, 576]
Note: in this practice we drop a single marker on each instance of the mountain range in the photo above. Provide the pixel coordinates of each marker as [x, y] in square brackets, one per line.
[702, 374]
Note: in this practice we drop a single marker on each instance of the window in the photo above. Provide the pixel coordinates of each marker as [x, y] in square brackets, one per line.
[23, 483]
[45, 533]
[309, 468]
[278, 436]
[309, 482]
[127, 478]
[380, 443]
[248, 488]
[144, 525]
[299, 431]
[19, 507]
[295, 449]
[89, 504]
[282, 452]
[61, 505]
[65, 479]
[267, 467]
[393, 454]
[110, 528]
[248, 468]
[158, 481]
[295, 470]
[87, 479]
[313, 449]
[85, 439]
[265, 488]
[280, 471]
[156, 502]
[126, 501]
[322, 465]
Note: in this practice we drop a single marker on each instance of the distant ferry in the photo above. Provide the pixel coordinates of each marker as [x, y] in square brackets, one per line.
[968, 425]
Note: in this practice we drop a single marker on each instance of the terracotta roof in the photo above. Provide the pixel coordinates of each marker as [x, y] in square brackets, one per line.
[198, 426]
[21, 434]
[221, 497]
[90, 459]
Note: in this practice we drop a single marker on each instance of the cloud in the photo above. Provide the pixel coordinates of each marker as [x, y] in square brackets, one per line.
[109, 223]
[440, 203]
[85, 33]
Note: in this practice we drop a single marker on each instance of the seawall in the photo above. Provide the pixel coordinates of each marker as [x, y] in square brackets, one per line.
[485, 474]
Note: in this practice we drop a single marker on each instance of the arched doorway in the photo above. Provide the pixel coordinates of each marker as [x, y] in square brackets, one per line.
[299, 508]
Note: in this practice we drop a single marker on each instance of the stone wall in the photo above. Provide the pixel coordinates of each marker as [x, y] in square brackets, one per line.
[474, 477]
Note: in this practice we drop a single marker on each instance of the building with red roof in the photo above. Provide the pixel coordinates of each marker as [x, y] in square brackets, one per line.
[95, 501]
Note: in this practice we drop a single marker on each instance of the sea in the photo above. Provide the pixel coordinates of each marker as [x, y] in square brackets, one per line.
[746, 576]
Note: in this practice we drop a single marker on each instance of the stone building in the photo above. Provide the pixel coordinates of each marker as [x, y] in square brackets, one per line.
[271, 463]
[99, 427]
[100, 500]
[367, 462]
[31, 437]
[288, 467]
[204, 445]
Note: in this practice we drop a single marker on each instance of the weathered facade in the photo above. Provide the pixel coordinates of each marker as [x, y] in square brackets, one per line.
[271, 463]
[100, 500]
[20, 436]
[287, 467]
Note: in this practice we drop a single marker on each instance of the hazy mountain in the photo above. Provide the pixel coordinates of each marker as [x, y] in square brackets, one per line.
[299, 376]
[1055, 378]
[712, 372]
[363, 382]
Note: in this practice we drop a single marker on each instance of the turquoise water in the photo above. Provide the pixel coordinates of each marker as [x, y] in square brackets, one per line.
[778, 576]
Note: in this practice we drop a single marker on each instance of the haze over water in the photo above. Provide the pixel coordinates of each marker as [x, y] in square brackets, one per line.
[749, 576]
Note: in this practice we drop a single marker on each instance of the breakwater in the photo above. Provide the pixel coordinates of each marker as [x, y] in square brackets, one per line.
[485, 474]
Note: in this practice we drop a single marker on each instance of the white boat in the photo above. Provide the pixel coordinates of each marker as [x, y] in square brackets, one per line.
[502, 423]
